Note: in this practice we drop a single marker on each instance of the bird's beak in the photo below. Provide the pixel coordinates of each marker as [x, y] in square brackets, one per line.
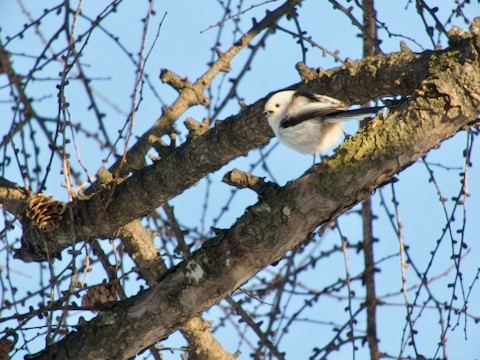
[267, 113]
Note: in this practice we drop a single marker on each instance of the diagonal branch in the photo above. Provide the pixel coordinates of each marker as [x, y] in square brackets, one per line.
[139, 244]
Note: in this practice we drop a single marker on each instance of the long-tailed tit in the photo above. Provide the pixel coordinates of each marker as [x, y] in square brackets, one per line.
[310, 123]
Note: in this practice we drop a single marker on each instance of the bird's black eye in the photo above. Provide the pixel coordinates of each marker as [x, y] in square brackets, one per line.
[277, 105]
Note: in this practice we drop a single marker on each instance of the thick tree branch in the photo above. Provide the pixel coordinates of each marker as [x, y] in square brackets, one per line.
[139, 245]
[148, 188]
[442, 105]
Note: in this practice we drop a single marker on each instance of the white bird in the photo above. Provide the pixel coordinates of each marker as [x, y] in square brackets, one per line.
[310, 123]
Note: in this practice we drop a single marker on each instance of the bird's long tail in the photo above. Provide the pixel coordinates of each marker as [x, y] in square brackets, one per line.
[354, 114]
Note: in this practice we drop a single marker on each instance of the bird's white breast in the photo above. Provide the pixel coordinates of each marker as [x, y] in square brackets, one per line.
[311, 136]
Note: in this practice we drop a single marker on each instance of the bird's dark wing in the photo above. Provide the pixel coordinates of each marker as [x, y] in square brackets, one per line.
[293, 120]
[328, 115]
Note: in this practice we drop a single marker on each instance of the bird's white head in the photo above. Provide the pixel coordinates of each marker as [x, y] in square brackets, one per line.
[276, 106]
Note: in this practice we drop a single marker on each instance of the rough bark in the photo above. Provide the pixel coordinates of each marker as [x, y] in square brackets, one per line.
[138, 243]
[445, 102]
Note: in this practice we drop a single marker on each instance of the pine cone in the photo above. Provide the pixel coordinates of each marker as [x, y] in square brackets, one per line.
[100, 294]
[44, 212]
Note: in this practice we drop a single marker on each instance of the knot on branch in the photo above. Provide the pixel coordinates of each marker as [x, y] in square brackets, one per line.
[224, 61]
[404, 48]
[241, 180]
[160, 146]
[457, 36]
[306, 74]
[175, 81]
[181, 85]
[196, 128]
[105, 177]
